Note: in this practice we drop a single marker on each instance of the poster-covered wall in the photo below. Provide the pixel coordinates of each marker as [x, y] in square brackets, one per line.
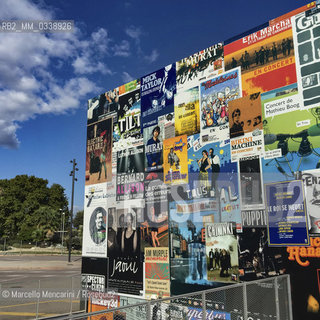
[206, 172]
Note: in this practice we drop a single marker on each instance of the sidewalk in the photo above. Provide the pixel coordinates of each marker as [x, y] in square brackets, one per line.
[39, 262]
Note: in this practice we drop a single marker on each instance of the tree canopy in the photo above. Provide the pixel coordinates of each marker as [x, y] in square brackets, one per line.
[29, 209]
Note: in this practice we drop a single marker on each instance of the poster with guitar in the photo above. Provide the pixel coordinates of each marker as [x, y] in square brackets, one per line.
[215, 95]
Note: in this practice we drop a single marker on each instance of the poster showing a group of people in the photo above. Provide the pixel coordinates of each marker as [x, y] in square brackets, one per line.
[207, 171]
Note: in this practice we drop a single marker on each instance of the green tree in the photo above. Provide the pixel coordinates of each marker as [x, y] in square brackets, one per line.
[78, 219]
[23, 202]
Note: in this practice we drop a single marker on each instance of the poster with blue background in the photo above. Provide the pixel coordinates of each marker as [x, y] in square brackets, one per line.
[287, 217]
[157, 93]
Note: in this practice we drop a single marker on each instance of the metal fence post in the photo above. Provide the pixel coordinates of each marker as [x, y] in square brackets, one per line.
[38, 299]
[277, 298]
[71, 295]
[245, 302]
[289, 297]
[204, 308]
[148, 310]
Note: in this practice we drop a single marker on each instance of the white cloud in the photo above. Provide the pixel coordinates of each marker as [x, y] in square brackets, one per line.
[153, 56]
[126, 77]
[28, 62]
[134, 32]
[122, 49]
[8, 137]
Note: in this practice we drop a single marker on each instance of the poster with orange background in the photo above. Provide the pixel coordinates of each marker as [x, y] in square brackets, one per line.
[266, 58]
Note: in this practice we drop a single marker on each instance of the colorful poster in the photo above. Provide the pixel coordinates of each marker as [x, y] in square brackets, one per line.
[246, 135]
[256, 259]
[199, 66]
[103, 106]
[125, 264]
[311, 181]
[153, 140]
[157, 272]
[99, 152]
[186, 110]
[303, 265]
[130, 173]
[287, 216]
[175, 160]
[187, 236]
[212, 174]
[154, 225]
[157, 94]
[266, 58]
[294, 146]
[127, 131]
[215, 94]
[94, 243]
[306, 26]
[251, 185]
[222, 249]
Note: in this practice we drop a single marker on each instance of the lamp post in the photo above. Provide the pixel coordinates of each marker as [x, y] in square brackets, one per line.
[73, 175]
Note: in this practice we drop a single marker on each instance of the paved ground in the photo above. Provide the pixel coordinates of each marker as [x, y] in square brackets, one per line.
[21, 276]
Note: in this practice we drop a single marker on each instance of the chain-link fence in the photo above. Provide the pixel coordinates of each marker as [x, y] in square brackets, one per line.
[41, 298]
[262, 299]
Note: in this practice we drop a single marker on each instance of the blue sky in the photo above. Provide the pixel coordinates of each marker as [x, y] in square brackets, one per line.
[46, 79]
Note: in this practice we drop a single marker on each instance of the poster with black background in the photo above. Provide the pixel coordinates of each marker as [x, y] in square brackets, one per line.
[130, 173]
[125, 264]
[127, 131]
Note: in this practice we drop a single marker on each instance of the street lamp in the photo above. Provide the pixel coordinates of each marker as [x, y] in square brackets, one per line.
[73, 175]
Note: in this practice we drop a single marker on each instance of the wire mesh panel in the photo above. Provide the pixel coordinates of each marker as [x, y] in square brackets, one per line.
[284, 297]
[261, 300]
[219, 304]
[266, 299]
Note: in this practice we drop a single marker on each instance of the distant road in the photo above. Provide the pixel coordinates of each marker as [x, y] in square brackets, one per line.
[23, 274]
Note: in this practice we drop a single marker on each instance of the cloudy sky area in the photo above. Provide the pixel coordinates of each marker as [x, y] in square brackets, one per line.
[46, 79]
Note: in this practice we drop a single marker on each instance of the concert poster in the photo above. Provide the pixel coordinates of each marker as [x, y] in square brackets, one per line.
[303, 265]
[221, 252]
[187, 228]
[245, 121]
[157, 272]
[266, 58]
[153, 137]
[157, 94]
[127, 131]
[200, 66]
[99, 152]
[295, 146]
[311, 181]
[175, 160]
[94, 243]
[215, 95]
[251, 183]
[186, 112]
[125, 261]
[257, 260]
[102, 106]
[130, 173]
[287, 216]
[306, 26]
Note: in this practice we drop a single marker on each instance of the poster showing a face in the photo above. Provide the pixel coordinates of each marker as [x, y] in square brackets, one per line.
[94, 232]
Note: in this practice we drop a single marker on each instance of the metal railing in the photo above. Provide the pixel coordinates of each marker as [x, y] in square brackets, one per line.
[268, 298]
[41, 298]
